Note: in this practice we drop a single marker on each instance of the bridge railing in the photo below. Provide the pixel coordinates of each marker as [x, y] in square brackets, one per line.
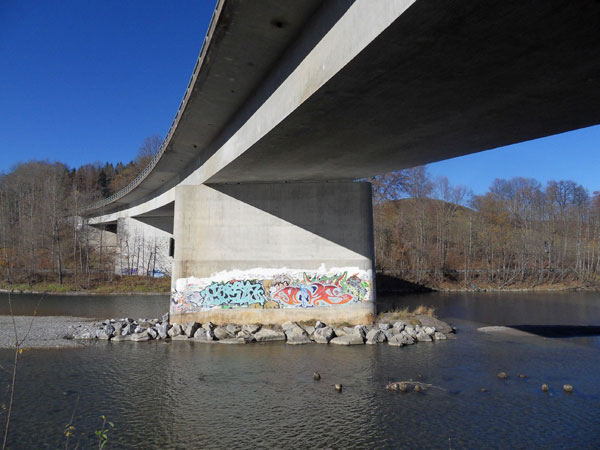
[163, 148]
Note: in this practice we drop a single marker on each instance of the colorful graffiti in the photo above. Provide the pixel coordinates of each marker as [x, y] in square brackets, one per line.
[296, 289]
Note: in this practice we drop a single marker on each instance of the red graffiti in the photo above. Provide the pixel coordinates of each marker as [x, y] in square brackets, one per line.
[314, 293]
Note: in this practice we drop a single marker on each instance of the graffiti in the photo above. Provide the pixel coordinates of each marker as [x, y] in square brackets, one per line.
[299, 289]
[236, 292]
[314, 293]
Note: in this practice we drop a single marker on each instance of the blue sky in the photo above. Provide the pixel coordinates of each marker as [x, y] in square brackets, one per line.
[88, 81]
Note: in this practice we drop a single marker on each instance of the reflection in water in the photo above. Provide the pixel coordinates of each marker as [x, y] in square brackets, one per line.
[192, 395]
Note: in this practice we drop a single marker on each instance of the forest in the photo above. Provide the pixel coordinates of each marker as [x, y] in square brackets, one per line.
[519, 234]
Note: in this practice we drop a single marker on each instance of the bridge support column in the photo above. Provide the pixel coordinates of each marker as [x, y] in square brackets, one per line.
[269, 253]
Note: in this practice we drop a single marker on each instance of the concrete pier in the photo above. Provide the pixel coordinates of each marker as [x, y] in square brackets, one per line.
[273, 252]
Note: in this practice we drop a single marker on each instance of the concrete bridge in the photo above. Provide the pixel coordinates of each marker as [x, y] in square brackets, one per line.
[292, 101]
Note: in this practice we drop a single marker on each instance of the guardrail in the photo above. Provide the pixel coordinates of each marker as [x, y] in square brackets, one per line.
[163, 148]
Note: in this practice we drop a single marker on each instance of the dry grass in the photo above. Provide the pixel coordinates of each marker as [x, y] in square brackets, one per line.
[406, 313]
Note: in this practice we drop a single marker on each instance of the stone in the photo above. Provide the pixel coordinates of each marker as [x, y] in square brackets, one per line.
[423, 337]
[375, 337]
[251, 328]
[121, 337]
[439, 336]
[128, 320]
[118, 326]
[309, 329]
[101, 334]
[189, 328]
[175, 330]
[410, 331]
[384, 326]
[319, 324]
[362, 330]
[109, 330]
[348, 339]
[295, 334]
[429, 330]
[222, 333]
[389, 333]
[348, 330]
[162, 329]
[400, 325]
[128, 329]
[407, 338]
[428, 321]
[203, 335]
[233, 328]
[152, 333]
[268, 335]
[323, 335]
[237, 340]
[209, 326]
[339, 332]
[398, 340]
[140, 337]
[165, 318]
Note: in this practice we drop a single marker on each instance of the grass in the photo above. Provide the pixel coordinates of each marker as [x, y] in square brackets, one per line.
[407, 314]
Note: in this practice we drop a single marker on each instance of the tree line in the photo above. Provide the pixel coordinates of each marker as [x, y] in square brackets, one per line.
[41, 232]
[518, 234]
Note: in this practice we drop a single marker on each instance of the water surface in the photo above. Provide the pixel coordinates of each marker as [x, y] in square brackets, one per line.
[193, 395]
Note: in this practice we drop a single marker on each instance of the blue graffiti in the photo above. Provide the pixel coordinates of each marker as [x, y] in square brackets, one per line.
[235, 292]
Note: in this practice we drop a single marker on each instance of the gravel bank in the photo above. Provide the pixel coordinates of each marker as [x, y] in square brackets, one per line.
[46, 332]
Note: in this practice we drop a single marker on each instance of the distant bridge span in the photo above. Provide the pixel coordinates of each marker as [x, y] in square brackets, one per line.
[292, 100]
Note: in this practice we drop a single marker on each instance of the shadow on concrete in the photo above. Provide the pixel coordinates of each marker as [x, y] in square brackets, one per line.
[314, 209]
[559, 331]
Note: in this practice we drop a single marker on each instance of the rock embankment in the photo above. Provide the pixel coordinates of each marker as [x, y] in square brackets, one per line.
[399, 334]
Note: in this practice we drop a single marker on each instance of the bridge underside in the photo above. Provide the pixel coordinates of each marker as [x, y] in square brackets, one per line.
[268, 225]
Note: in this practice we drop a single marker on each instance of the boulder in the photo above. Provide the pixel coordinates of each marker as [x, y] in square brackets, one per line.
[429, 330]
[152, 333]
[118, 326]
[165, 318]
[384, 326]
[209, 326]
[319, 324]
[128, 329]
[348, 339]
[309, 329]
[340, 332]
[423, 337]
[189, 328]
[204, 335]
[410, 331]
[179, 337]
[323, 335]
[362, 330]
[102, 334]
[140, 337]
[400, 325]
[109, 330]
[439, 336]
[251, 328]
[375, 337]
[440, 326]
[175, 330]
[121, 338]
[268, 335]
[233, 328]
[222, 333]
[295, 334]
[408, 339]
[390, 333]
[162, 329]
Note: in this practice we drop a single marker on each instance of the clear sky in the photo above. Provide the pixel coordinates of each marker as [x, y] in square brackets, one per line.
[88, 81]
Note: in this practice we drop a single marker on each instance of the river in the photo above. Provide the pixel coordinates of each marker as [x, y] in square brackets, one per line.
[191, 395]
